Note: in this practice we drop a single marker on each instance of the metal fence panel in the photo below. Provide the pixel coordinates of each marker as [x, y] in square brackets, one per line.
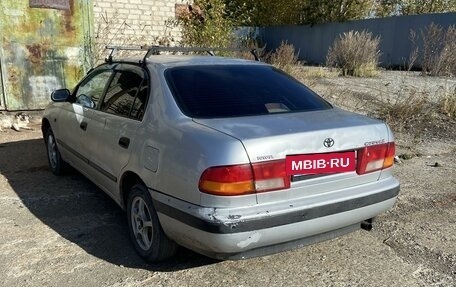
[313, 42]
[42, 47]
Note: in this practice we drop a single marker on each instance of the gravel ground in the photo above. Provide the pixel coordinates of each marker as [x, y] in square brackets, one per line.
[57, 231]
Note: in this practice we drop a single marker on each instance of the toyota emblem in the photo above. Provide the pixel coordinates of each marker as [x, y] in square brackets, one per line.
[329, 142]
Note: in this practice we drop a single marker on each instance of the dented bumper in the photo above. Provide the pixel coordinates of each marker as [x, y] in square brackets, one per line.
[242, 232]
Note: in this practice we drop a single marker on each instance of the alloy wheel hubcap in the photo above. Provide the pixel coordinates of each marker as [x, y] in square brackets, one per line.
[141, 222]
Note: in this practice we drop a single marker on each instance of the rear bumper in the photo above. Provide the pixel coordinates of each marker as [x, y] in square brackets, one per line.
[235, 233]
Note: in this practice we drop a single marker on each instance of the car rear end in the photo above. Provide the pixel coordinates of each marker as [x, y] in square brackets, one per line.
[313, 171]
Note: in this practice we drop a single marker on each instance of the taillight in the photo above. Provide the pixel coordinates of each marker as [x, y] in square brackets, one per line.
[270, 176]
[245, 178]
[375, 157]
[228, 180]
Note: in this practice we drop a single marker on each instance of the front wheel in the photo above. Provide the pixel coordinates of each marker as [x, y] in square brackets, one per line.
[56, 163]
[148, 237]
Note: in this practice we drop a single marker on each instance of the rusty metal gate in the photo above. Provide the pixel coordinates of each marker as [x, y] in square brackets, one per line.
[44, 45]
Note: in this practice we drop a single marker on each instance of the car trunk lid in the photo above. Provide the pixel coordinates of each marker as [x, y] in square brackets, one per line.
[276, 136]
[273, 137]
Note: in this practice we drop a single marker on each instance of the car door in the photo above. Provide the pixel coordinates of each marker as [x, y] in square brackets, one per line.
[74, 119]
[115, 123]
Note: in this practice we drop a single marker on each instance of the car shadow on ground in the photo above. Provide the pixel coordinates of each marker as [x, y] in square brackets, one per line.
[77, 210]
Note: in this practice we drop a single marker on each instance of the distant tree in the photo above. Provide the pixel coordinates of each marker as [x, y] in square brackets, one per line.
[384, 8]
[266, 12]
[283, 12]
[321, 11]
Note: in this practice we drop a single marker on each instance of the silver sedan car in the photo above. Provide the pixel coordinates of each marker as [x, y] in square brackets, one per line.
[230, 158]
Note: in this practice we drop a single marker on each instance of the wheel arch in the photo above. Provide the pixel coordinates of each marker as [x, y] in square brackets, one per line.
[128, 179]
[45, 125]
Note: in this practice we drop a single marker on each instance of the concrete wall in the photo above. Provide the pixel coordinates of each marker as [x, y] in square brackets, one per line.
[313, 42]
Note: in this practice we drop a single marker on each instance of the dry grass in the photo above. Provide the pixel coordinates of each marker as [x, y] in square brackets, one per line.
[284, 57]
[303, 72]
[404, 110]
[447, 104]
[439, 50]
[355, 53]
[406, 101]
[420, 112]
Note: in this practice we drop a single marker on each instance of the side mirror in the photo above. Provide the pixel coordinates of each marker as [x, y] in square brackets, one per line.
[60, 95]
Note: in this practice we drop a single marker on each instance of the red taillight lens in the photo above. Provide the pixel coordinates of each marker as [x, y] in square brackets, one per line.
[376, 157]
[270, 176]
[245, 178]
[228, 180]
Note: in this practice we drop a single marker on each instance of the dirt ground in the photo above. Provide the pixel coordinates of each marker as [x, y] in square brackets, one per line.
[63, 231]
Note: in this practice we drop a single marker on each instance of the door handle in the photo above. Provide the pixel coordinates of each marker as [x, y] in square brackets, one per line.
[83, 126]
[124, 142]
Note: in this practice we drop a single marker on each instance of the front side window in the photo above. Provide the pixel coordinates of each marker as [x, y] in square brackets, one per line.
[121, 95]
[239, 90]
[91, 89]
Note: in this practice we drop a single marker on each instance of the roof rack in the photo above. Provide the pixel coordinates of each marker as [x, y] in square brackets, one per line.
[155, 50]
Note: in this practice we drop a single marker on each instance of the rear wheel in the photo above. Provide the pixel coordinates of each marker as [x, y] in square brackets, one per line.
[148, 237]
[56, 163]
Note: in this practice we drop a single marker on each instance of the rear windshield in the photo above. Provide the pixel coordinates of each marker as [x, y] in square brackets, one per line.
[239, 90]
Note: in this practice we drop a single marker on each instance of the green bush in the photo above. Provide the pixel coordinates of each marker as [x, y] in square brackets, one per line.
[206, 24]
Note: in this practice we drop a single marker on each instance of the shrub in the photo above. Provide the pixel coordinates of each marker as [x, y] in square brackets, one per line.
[206, 24]
[447, 104]
[284, 57]
[439, 50]
[355, 53]
[406, 111]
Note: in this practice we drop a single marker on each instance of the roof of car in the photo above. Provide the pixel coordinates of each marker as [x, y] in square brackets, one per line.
[187, 60]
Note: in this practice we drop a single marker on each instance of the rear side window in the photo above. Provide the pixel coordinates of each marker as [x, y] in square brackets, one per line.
[239, 90]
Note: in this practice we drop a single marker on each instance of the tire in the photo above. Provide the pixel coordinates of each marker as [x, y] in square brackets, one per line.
[56, 163]
[146, 233]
